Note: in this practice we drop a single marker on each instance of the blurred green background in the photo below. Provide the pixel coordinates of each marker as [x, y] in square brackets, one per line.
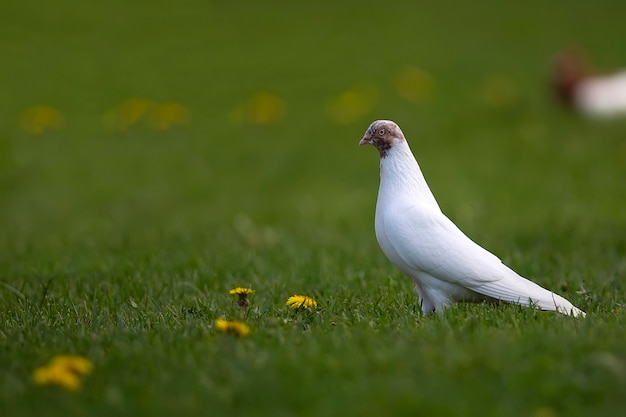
[468, 84]
[166, 151]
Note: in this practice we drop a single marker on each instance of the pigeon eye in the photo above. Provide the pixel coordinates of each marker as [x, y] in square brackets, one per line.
[381, 132]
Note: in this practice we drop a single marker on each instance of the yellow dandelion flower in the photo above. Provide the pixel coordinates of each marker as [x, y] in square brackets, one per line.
[299, 301]
[235, 327]
[51, 375]
[73, 363]
[241, 291]
[221, 325]
[262, 108]
[243, 301]
[414, 84]
[544, 412]
[352, 104]
[37, 119]
[63, 370]
[167, 115]
[128, 113]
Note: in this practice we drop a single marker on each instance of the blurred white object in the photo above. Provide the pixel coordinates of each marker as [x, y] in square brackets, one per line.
[602, 96]
[594, 95]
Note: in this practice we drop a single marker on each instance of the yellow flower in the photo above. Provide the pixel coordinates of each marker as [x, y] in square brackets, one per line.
[73, 363]
[50, 375]
[167, 115]
[243, 296]
[64, 370]
[135, 111]
[299, 301]
[352, 104]
[235, 327]
[262, 108]
[414, 84]
[128, 113]
[544, 412]
[242, 291]
[38, 119]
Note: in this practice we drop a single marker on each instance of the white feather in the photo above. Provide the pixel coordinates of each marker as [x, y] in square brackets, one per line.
[602, 96]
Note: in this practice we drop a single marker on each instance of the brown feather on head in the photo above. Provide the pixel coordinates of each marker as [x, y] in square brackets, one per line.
[570, 70]
[382, 134]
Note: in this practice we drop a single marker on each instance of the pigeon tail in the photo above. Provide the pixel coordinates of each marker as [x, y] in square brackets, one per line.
[554, 302]
[519, 290]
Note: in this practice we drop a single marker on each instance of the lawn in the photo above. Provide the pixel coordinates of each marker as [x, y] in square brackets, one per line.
[155, 155]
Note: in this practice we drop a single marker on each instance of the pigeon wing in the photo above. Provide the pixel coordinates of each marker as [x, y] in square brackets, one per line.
[427, 241]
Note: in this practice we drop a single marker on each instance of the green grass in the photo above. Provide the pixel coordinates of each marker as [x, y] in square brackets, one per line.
[122, 246]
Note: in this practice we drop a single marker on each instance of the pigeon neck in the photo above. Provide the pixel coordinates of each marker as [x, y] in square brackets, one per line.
[401, 176]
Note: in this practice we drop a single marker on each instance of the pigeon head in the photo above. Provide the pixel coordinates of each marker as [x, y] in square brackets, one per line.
[570, 70]
[383, 135]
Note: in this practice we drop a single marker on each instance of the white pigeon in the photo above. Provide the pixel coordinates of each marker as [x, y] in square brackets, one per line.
[595, 95]
[425, 245]
[602, 96]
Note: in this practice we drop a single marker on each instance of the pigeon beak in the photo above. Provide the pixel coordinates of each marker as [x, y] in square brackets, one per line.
[365, 141]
